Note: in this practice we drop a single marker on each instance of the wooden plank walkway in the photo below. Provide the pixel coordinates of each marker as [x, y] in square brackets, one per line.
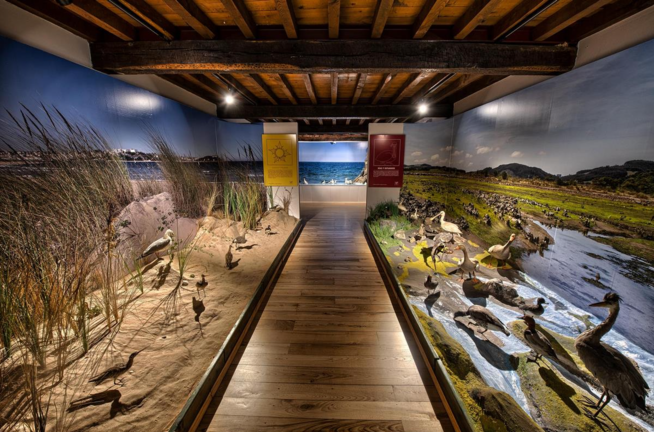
[329, 351]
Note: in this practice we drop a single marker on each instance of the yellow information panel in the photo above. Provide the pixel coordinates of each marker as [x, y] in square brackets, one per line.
[280, 165]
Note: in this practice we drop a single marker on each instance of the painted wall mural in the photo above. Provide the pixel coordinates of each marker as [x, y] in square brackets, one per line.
[524, 212]
[331, 163]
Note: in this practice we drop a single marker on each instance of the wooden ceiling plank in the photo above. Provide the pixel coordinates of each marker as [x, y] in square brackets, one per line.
[181, 81]
[286, 87]
[61, 17]
[310, 90]
[239, 88]
[386, 81]
[453, 86]
[220, 83]
[287, 16]
[474, 15]
[566, 16]
[333, 17]
[334, 88]
[264, 87]
[473, 88]
[611, 14]
[361, 83]
[321, 112]
[192, 15]
[148, 14]
[104, 18]
[382, 12]
[420, 94]
[414, 80]
[242, 17]
[427, 16]
[515, 16]
[342, 56]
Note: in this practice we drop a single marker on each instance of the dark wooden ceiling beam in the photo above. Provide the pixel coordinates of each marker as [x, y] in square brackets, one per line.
[310, 90]
[435, 81]
[452, 87]
[472, 88]
[342, 56]
[287, 16]
[474, 15]
[242, 17]
[341, 129]
[609, 15]
[60, 17]
[427, 16]
[361, 83]
[192, 15]
[332, 136]
[566, 16]
[386, 81]
[318, 112]
[206, 83]
[519, 13]
[148, 15]
[382, 11]
[188, 85]
[264, 88]
[235, 86]
[414, 80]
[333, 17]
[104, 18]
[334, 88]
[283, 83]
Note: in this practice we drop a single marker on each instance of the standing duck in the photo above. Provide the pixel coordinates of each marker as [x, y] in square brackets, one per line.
[502, 252]
[618, 374]
[467, 265]
[533, 306]
[483, 318]
[448, 227]
[537, 340]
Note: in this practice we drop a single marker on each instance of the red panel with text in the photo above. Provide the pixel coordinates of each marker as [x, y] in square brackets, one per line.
[386, 161]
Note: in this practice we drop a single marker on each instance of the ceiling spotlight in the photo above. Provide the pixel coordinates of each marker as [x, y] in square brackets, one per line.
[422, 109]
[229, 99]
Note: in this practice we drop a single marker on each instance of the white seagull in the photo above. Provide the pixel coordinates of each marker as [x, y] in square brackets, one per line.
[159, 245]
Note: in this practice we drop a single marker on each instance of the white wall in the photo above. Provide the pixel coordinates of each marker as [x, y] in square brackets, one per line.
[333, 193]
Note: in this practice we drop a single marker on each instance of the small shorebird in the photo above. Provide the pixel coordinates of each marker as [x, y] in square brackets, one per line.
[537, 340]
[502, 252]
[228, 258]
[114, 371]
[483, 318]
[429, 284]
[448, 227]
[159, 245]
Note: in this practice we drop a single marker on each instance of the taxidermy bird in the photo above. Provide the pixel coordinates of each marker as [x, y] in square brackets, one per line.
[467, 265]
[448, 227]
[536, 340]
[534, 307]
[203, 283]
[436, 251]
[228, 258]
[502, 252]
[305, 181]
[618, 374]
[159, 245]
[268, 230]
[429, 284]
[240, 240]
[483, 318]
[198, 308]
[115, 371]
[401, 207]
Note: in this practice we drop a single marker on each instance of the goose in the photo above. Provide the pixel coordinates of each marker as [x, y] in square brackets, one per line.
[448, 227]
[429, 284]
[536, 340]
[483, 318]
[159, 245]
[467, 265]
[401, 207]
[502, 252]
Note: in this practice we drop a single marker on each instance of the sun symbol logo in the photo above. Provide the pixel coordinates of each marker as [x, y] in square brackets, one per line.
[279, 153]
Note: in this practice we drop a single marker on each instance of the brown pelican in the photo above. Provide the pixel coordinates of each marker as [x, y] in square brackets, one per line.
[618, 374]
[483, 318]
[429, 284]
[467, 265]
[448, 227]
[534, 307]
[114, 371]
[159, 245]
[537, 340]
[502, 252]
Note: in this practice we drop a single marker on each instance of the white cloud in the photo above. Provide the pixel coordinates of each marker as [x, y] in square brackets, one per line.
[517, 154]
[420, 160]
[483, 150]
[416, 154]
[448, 148]
[497, 149]
[542, 153]
[469, 163]
[468, 155]
[457, 153]
[435, 157]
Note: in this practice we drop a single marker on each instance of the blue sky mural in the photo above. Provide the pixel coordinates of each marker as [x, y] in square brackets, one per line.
[333, 152]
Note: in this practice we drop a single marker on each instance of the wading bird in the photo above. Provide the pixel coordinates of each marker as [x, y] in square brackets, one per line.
[115, 371]
[467, 265]
[430, 285]
[618, 374]
[502, 252]
[159, 245]
[228, 258]
[448, 227]
[536, 340]
[483, 318]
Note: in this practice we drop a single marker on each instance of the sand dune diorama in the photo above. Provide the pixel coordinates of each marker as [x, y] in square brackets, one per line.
[115, 295]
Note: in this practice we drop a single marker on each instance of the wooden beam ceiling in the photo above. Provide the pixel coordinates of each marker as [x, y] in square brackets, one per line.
[61, 17]
[194, 17]
[427, 16]
[104, 18]
[569, 14]
[334, 88]
[475, 15]
[414, 81]
[242, 17]
[286, 87]
[333, 17]
[382, 12]
[287, 17]
[343, 56]
[519, 13]
[386, 81]
[264, 88]
[320, 112]
[310, 90]
[609, 15]
[148, 15]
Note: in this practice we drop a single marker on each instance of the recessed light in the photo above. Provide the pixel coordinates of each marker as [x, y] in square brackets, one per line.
[422, 109]
[229, 99]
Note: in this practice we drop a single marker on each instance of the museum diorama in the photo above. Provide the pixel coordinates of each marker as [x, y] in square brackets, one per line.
[301, 215]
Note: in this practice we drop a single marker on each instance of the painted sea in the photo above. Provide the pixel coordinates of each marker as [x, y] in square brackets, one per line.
[317, 172]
